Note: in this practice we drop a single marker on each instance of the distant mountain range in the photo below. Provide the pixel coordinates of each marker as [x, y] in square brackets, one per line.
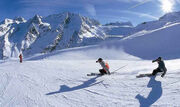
[41, 35]
[66, 30]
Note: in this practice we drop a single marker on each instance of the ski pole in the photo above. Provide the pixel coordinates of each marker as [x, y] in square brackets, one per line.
[119, 68]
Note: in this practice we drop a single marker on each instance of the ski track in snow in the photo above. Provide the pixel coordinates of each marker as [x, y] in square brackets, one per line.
[64, 83]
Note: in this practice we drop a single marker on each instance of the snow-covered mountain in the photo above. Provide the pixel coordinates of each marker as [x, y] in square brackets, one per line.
[122, 29]
[171, 17]
[167, 19]
[118, 29]
[120, 24]
[45, 34]
[67, 30]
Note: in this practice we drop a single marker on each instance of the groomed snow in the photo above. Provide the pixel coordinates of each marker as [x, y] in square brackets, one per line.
[59, 79]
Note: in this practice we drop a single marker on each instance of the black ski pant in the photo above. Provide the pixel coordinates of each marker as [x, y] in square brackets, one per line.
[155, 71]
[102, 71]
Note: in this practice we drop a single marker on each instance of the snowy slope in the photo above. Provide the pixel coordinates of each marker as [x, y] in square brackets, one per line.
[51, 82]
[42, 35]
[150, 44]
[59, 78]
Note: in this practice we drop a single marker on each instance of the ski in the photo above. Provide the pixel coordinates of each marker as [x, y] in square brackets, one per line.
[144, 75]
[147, 75]
[94, 74]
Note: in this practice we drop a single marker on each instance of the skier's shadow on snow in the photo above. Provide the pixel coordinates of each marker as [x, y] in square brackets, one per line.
[65, 88]
[153, 96]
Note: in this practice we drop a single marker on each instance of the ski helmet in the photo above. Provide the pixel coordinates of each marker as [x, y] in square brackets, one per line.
[100, 59]
[159, 58]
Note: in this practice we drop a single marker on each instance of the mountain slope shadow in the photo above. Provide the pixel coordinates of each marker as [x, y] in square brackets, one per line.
[153, 96]
[65, 88]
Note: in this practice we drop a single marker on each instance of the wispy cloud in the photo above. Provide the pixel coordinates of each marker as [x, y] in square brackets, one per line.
[51, 3]
[90, 9]
[125, 12]
[140, 3]
[141, 14]
[88, 6]
[112, 18]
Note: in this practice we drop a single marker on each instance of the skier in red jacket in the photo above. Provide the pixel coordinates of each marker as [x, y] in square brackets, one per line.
[21, 58]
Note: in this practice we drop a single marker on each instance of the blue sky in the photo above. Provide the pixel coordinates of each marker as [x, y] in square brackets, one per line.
[136, 11]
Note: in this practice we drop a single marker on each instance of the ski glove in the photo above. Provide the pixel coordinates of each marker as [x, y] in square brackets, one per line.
[162, 75]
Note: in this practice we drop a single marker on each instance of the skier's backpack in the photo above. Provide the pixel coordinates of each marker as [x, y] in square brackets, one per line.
[107, 65]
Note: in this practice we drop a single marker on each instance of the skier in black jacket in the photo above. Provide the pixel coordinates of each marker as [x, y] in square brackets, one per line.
[161, 67]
